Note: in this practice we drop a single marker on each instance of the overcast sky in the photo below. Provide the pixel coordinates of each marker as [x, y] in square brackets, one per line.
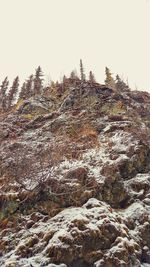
[57, 33]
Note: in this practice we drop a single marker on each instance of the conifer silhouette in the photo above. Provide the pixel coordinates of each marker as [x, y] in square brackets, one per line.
[109, 81]
[13, 92]
[38, 81]
[82, 74]
[91, 77]
[3, 96]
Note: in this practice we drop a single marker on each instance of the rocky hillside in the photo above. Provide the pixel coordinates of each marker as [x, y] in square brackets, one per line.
[75, 179]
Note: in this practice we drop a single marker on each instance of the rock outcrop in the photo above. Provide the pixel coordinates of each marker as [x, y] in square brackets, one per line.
[75, 180]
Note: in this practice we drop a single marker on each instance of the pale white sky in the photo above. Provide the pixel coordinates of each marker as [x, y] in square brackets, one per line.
[57, 33]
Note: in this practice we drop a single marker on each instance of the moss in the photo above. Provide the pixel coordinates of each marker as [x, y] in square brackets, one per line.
[72, 131]
[28, 116]
[8, 209]
[113, 109]
[90, 101]
[19, 103]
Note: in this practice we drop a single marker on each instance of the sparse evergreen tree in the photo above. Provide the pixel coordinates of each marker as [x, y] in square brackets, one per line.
[29, 86]
[4, 86]
[57, 84]
[73, 75]
[120, 84]
[65, 82]
[64, 79]
[13, 92]
[91, 77]
[109, 81]
[52, 84]
[82, 74]
[22, 94]
[38, 81]
[3, 97]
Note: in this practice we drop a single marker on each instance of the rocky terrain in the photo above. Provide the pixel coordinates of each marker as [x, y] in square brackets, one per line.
[75, 179]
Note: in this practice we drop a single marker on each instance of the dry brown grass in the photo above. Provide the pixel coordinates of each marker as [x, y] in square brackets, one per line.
[85, 134]
[89, 131]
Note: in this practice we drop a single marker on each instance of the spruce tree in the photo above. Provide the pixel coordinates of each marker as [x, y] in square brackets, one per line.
[27, 88]
[73, 75]
[22, 94]
[120, 84]
[3, 96]
[57, 84]
[4, 86]
[30, 86]
[64, 79]
[109, 81]
[38, 81]
[82, 74]
[13, 92]
[91, 77]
